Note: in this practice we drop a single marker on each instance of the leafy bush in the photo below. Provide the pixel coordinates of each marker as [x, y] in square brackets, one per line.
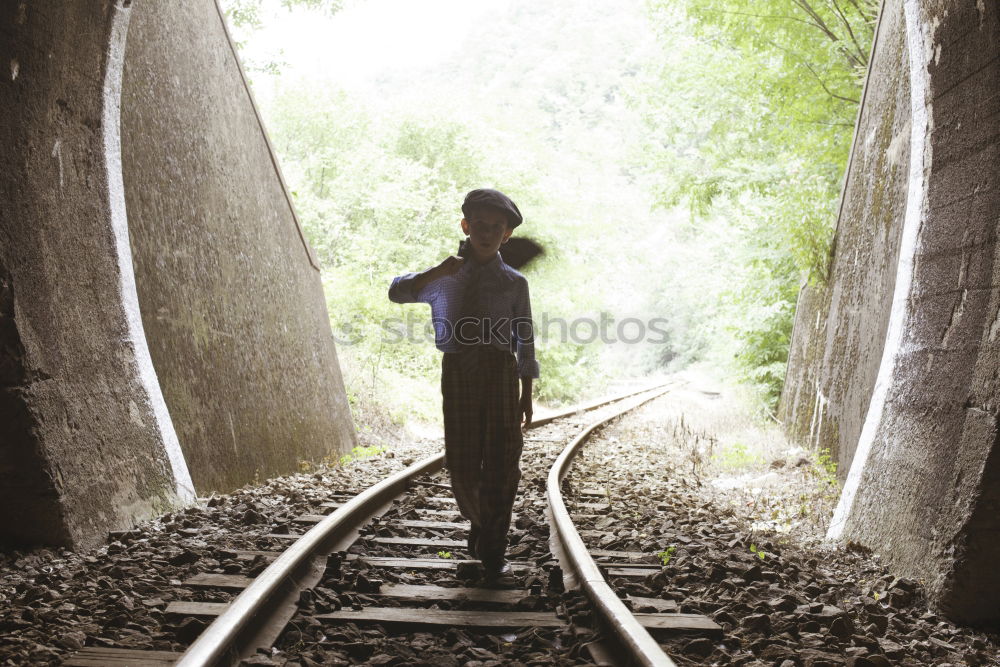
[751, 110]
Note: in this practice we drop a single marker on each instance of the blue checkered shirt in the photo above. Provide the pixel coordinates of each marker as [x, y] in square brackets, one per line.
[500, 309]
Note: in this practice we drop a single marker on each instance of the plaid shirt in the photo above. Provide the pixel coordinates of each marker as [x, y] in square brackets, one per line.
[502, 316]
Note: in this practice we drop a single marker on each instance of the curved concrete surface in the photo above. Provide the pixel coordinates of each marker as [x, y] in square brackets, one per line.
[233, 317]
[88, 445]
[925, 487]
[840, 329]
[231, 296]
[924, 483]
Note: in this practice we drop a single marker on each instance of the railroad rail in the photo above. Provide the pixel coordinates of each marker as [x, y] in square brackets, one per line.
[258, 615]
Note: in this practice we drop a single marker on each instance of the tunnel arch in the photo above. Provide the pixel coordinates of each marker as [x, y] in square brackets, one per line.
[924, 485]
[905, 367]
[88, 442]
[148, 222]
[924, 489]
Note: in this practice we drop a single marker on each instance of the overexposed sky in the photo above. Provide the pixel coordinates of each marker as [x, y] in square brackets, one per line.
[368, 37]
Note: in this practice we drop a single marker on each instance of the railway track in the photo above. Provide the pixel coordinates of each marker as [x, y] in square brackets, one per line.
[391, 557]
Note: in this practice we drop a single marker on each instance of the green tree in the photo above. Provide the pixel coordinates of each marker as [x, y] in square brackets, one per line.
[246, 17]
[247, 14]
[751, 111]
[687, 172]
[378, 182]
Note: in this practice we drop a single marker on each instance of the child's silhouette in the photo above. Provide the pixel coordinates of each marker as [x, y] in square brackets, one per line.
[482, 317]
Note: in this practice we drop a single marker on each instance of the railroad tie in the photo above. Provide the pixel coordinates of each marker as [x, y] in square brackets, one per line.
[659, 624]
[496, 608]
[419, 593]
[101, 656]
[398, 616]
[431, 542]
[239, 582]
[405, 523]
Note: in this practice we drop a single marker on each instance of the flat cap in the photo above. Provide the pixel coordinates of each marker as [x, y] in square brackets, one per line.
[494, 199]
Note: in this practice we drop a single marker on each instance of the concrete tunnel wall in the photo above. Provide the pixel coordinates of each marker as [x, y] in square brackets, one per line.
[230, 292]
[237, 325]
[923, 488]
[840, 328]
[86, 443]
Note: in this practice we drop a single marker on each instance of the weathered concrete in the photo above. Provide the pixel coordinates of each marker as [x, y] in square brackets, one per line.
[86, 444]
[840, 327]
[231, 300]
[924, 484]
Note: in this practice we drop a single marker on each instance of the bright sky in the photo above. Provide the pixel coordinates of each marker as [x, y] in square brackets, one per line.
[368, 37]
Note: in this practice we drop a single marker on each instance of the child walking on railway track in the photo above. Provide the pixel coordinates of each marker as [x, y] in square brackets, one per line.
[482, 317]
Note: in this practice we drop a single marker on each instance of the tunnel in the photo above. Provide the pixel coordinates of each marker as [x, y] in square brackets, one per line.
[164, 333]
[893, 364]
[164, 329]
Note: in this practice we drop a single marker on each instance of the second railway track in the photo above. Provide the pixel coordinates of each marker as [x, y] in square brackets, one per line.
[393, 559]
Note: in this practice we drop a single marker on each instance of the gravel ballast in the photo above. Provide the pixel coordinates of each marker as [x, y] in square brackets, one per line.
[738, 517]
[730, 514]
[55, 602]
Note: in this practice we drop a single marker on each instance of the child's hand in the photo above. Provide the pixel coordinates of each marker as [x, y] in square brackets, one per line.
[449, 266]
[524, 410]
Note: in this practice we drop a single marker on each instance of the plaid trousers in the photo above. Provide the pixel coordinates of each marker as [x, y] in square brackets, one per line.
[483, 442]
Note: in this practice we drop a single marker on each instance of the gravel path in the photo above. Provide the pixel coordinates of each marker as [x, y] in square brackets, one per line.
[53, 602]
[736, 515]
[738, 518]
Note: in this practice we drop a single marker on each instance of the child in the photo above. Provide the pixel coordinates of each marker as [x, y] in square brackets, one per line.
[481, 315]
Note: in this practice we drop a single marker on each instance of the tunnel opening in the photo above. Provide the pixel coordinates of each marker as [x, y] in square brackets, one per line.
[243, 376]
[851, 347]
[653, 260]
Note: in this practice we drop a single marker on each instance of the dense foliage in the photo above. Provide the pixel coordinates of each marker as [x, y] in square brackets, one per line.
[378, 180]
[246, 15]
[679, 161]
[378, 195]
[751, 111]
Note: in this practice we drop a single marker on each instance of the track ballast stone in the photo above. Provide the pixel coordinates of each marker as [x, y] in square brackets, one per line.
[54, 602]
[740, 557]
[748, 557]
[312, 642]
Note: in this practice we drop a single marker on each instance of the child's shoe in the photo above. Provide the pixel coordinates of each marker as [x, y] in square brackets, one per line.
[499, 575]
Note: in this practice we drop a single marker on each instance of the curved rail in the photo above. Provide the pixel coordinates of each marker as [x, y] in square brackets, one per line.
[220, 643]
[223, 641]
[596, 403]
[643, 648]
